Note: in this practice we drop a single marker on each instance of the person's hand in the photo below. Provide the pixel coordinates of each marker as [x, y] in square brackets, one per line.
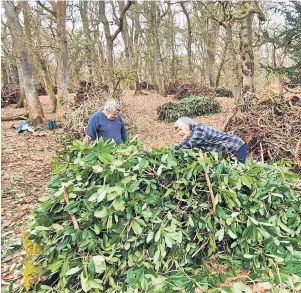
[148, 152]
[86, 139]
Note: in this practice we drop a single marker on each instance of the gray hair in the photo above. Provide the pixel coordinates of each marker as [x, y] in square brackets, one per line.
[112, 106]
[185, 121]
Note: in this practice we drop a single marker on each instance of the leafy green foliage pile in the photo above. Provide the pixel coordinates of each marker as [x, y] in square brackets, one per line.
[223, 92]
[146, 221]
[191, 106]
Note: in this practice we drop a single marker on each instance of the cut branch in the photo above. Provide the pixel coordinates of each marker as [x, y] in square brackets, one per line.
[74, 221]
[208, 183]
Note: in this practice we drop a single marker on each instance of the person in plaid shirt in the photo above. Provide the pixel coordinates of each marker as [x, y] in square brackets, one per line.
[209, 139]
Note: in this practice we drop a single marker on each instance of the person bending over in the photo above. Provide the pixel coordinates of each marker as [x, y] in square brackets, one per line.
[209, 139]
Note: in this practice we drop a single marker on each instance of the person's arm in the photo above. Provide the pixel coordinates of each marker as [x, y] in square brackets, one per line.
[124, 134]
[193, 141]
[92, 128]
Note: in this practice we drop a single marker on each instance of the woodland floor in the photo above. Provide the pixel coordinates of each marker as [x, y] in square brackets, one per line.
[25, 168]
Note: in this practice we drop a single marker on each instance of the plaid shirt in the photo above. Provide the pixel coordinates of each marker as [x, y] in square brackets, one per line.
[210, 140]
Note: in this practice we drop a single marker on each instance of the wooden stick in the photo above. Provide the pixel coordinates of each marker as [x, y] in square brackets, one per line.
[296, 157]
[200, 248]
[261, 153]
[227, 121]
[208, 183]
[74, 221]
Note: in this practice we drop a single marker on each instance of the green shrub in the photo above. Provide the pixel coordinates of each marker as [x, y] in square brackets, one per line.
[191, 106]
[222, 92]
[146, 221]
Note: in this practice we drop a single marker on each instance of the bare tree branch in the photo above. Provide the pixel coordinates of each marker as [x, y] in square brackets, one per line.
[46, 8]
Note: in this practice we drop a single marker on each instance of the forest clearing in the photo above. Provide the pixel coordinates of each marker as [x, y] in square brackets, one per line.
[168, 205]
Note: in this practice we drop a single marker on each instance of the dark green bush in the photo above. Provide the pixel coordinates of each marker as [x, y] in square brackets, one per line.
[191, 106]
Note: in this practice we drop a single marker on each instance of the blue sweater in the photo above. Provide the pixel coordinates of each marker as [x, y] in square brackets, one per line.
[100, 126]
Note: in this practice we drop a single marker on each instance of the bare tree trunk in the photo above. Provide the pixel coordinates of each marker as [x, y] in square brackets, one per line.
[236, 68]
[227, 40]
[48, 84]
[111, 37]
[36, 115]
[172, 67]
[128, 49]
[62, 90]
[46, 76]
[211, 51]
[137, 32]
[157, 62]
[189, 37]
[83, 9]
[5, 78]
[22, 100]
[280, 77]
[247, 59]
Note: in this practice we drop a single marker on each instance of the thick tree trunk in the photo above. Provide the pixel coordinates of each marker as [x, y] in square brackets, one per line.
[62, 90]
[36, 115]
[247, 59]
[22, 100]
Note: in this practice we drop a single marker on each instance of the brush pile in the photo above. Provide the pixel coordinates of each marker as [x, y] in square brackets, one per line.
[10, 94]
[183, 88]
[272, 128]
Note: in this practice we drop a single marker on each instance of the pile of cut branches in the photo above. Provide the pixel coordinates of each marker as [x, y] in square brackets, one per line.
[144, 85]
[88, 89]
[41, 91]
[10, 94]
[78, 113]
[272, 128]
[183, 88]
[119, 220]
[223, 92]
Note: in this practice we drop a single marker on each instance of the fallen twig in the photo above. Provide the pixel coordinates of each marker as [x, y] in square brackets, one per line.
[296, 155]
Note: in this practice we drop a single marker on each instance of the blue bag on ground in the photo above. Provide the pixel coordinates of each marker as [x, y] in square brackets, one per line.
[24, 126]
[51, 125]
